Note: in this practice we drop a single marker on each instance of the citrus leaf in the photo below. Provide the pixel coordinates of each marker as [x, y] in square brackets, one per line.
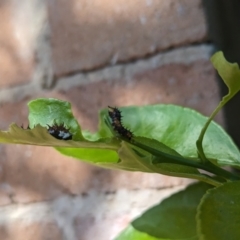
[40, 136]
[229, 72]
[218, 213]
[93, 155]
[49, 111]
[174, 127]
[46, 112]
[178, 128]
[130, 233]
[174, 217]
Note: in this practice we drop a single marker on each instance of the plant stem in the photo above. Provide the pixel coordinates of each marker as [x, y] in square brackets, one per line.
[175, 159]
[201, 136]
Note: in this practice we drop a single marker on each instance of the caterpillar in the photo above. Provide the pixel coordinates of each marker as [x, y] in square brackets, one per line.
[116, 117]
[60, 132]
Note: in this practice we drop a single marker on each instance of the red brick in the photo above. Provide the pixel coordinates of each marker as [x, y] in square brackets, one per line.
[16, 62]
[39, 231]
[90, 34]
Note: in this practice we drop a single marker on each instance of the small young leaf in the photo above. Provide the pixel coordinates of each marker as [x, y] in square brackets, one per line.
[229, 72]
[218, 214]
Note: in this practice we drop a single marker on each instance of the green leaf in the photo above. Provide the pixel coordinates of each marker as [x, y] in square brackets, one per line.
[174, 217]
[45, 112]
[178, 128]
[170, 126]
[48, 111]
[219, 213]
[96, 156]
[39, 136]
[106, 152]
[131, 233]
[229, 72]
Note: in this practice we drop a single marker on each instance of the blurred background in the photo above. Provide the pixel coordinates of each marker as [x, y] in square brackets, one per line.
[95, 53]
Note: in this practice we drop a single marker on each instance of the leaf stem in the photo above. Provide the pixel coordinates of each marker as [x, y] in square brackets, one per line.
[204, 129]
[207, 166]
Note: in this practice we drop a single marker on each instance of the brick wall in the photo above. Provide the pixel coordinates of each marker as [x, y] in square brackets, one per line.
[93, 54]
